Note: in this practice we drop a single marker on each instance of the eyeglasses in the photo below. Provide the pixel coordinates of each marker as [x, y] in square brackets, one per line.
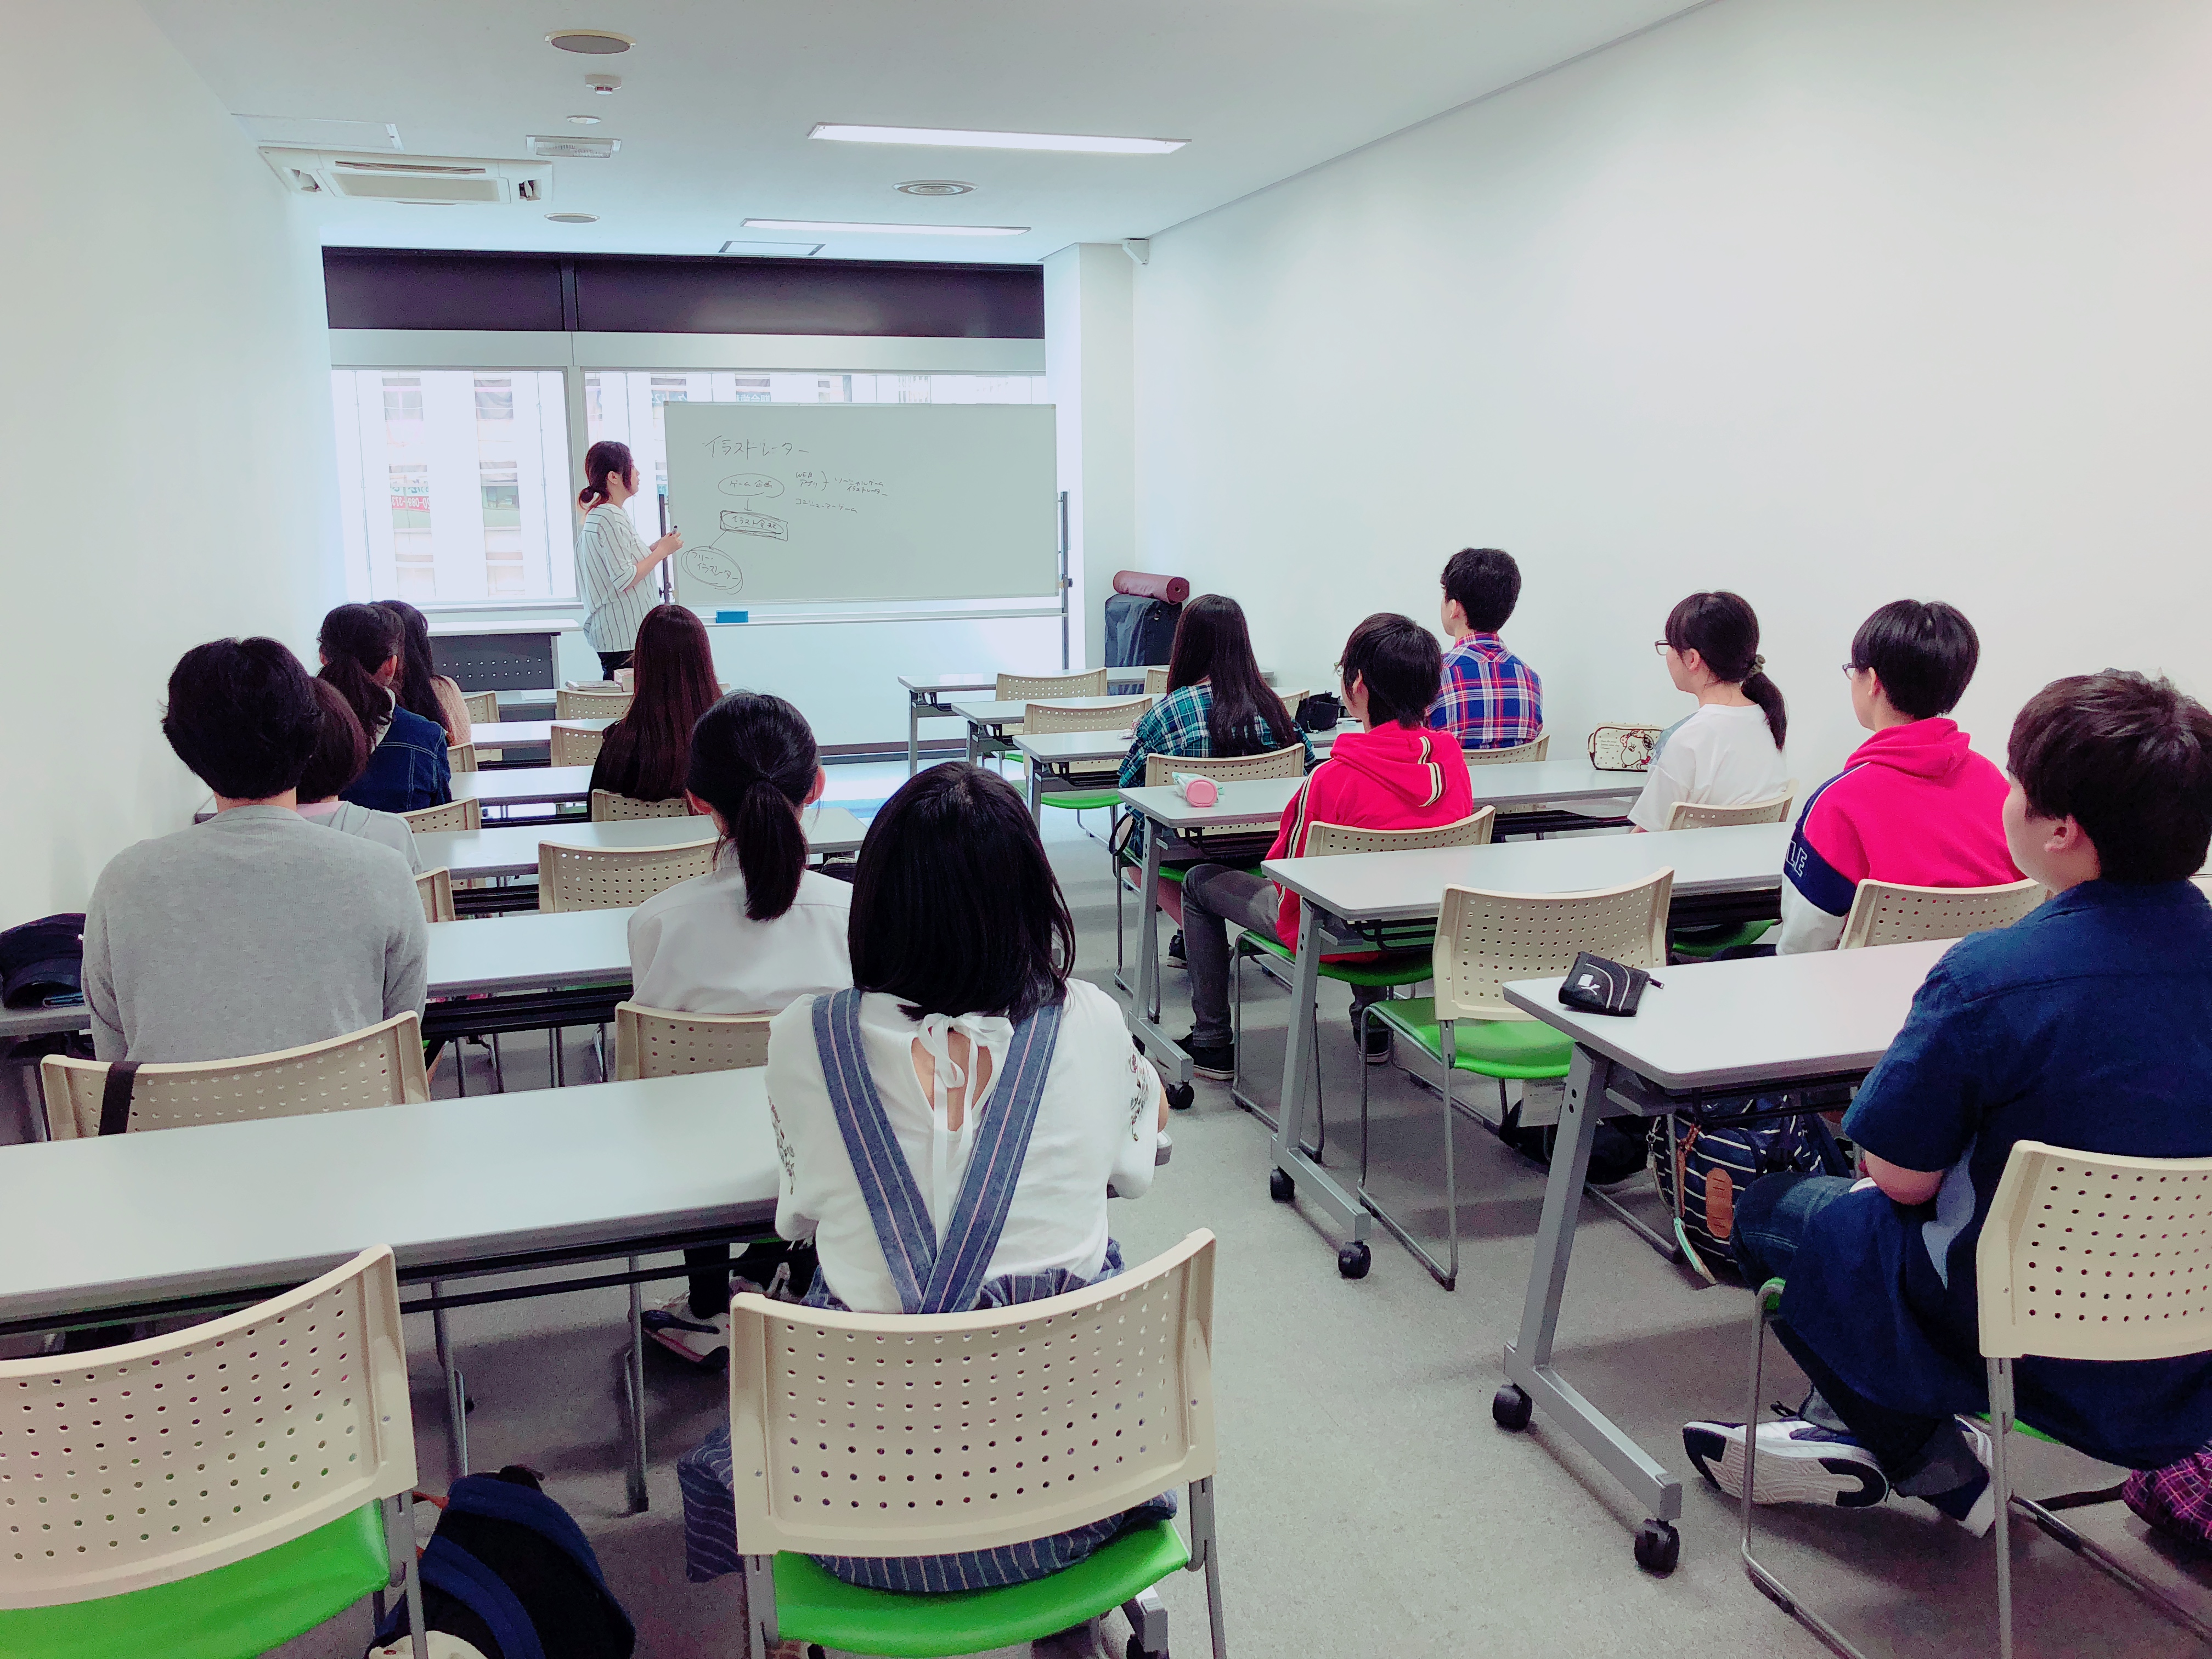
[1661, 646]
[1850, 669]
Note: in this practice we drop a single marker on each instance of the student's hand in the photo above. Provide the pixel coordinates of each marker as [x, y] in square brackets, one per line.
[669, 544]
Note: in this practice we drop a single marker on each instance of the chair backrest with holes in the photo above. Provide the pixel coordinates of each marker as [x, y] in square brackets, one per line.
[482, 707]
[1290, 701]
[461, 758]
[1041, 717]
[609, 705]
[1473, 830]
[611, 878]
[1227, 769]
[379, 1065]
[1485, 939]
[1156, 681]
[1534, 750]
[575, 745]
[141, 1465]
[661, 1042]
[467, 813]
[435, 888]
[1689, 815]
[2091, 1255]
[864, 1434]
[1889, 913]
[608, 807]
[1020, 688]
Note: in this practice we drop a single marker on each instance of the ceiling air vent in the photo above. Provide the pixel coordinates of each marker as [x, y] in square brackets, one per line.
[439, 179]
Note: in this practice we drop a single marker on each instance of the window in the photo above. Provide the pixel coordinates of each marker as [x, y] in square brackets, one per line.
[453, 485]
[750, 389]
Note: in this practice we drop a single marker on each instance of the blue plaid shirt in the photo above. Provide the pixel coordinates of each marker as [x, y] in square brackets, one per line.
[1176, 725]
[1490, 699]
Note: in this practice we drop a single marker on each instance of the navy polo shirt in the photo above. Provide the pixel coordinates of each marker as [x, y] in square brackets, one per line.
[2087, 1024]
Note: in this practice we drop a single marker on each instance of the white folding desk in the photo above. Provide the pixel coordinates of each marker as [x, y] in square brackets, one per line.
[1705, 1037]
[475, 855]
[1345, 901]
[1062, 754]
[988, 719]
[521, 786]
[926, 695]
[525, 734]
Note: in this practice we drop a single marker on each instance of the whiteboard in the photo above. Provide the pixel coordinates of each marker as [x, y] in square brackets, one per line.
[792, 503]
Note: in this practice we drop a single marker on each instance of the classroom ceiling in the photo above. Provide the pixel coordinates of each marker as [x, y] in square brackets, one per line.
[717, 97]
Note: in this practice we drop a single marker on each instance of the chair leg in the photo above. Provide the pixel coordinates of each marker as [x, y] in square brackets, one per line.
[2001, 1414]
[457, 1398]
[498, 1069]
[633, 1385]
[1148, 1623]
[1208, 1544]
[419, 1640]
[1445, 1275]
[761, 1627]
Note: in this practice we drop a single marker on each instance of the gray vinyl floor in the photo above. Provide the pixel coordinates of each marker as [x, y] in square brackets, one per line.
[1368, 1504]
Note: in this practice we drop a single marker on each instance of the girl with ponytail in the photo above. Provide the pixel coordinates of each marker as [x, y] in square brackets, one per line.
[757, 930]
[408, 768]
[1728, 752]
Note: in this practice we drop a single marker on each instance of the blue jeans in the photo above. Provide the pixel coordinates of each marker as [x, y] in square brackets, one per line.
[1923, 1456]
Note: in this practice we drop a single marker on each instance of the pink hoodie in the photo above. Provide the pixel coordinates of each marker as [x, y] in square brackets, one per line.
[1391, 777]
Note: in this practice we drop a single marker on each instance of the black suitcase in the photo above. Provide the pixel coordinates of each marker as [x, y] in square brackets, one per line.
[1139, 632]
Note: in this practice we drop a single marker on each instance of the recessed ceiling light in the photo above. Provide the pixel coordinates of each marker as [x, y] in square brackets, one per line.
[585, 120]
[574, 147]
[960, 138]
[839, 228]
[595, 42]
[933, 188]
[573, 218]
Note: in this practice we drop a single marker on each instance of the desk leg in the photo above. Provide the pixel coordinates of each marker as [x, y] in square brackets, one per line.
[1300, 1061]
[1157, 1045]
[1036, 791]
[912, 732]
[975, 752]
[1531, 1380]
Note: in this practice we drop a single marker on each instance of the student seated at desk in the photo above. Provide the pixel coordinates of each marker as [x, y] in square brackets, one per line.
[1490, 698]
[436, 697]
[1395, 775]
[341, 751]
[756, 930]
[2087, 1024]
[1728, 749]
[407, 766]
[256, 930]
[1914, 803]
[997, 1098]
[647, 754]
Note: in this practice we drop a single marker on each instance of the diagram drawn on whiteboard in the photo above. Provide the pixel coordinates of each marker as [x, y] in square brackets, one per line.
[716, 563]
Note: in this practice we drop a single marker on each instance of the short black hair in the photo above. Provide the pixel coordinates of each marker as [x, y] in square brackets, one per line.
[1486, 583]
[242, 714]
[1924, 652]
[1401, 663]
[955, 908]
[341, 753]
[2129, 759]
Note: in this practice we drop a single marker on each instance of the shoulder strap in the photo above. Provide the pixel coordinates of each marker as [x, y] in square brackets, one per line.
[115, 1097]
[448, 1567]
[901, 1219]
[994, 1164]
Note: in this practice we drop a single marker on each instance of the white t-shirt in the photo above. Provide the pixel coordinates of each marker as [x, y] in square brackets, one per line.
[1097, 1125]
[693, 948]
[387, 829]
[1719, 756]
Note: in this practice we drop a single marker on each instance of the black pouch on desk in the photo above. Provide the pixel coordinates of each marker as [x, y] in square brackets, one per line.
[1597, 986]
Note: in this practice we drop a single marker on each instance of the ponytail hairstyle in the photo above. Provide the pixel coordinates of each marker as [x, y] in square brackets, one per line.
[754, 761]
[1723, 629]
[357, 641]
[1245, 716]
[649, 749]
[414, 689]
[603, 458]
[341, 752]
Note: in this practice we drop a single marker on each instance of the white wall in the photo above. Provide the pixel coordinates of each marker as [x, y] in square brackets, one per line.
[1088, 370]
[1829, 301]
[165, 414]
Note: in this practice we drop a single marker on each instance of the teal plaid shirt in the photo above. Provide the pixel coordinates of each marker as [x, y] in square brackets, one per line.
[1176, 725]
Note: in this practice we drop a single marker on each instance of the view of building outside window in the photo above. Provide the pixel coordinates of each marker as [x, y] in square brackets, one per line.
[453, 485]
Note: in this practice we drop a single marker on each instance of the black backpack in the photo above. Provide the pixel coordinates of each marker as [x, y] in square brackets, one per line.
[1714, 1165]
[1139, 631]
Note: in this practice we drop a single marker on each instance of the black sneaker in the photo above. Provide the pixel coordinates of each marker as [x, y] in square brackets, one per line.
[1379, 1043]
[1175, 957]
[1215, 1061]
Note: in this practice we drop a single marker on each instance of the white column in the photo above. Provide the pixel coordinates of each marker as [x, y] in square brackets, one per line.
[1090, 373]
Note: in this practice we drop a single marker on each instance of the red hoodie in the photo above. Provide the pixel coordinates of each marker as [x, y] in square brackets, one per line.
[1391, 777]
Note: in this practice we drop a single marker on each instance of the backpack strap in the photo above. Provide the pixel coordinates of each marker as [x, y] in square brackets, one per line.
[895, 1204]
[115, 1097]
[446, 1566]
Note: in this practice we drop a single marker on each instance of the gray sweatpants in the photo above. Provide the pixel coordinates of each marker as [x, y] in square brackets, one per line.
[1215, 898]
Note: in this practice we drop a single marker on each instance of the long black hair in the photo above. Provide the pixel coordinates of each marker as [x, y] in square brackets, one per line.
[955, 908]
[415, 688]
[754, 761]
[647, 753]
[1723, 629]
[1212, 643]
[357, 641]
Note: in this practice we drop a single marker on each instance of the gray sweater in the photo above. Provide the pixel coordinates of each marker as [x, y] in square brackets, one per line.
[252, 931]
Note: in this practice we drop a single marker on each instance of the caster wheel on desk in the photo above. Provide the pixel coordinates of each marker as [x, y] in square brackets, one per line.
[1658, 1547]
[1354, 1261]
[1281, 1187]
[1180, 1096]
[1137, 1650]
[1510, 1408]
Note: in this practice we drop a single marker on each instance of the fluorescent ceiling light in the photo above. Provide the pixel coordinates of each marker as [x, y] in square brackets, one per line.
[774, 250]
[836, 227]
[959, 138]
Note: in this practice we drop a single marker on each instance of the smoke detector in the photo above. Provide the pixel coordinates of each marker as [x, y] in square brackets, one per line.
[573, 218]
[933, 188]
[603, 83]
[593, 43]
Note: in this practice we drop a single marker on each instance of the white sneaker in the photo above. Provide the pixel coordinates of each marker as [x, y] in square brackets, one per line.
[701, 1342]
[1978, 1519]
[1798, 1463]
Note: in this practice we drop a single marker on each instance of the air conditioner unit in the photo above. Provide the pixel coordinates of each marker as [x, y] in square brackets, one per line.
[368, 175]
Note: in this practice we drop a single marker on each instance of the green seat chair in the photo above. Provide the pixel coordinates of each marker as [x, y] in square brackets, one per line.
[1086, 793]
[856, 1435]
[1483, 941]
[214, 1493]
[1702, 943]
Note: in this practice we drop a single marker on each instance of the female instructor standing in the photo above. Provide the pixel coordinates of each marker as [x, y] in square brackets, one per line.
[611, 562]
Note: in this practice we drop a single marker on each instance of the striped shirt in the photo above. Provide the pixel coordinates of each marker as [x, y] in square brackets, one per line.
[1490, 699]
[607, 549]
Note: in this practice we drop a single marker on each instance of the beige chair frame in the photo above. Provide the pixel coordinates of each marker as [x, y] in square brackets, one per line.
[462, 815]
[1027, 688]
[1890, 913]
[608, 807]
[616, 878]
[2084, 1256]
[380, 1065]
[575, 745]
[435, 888]
[1136, 1349]
[1156, 681]
[1688, 814]
[1289, 763]
[1534, 750]
[482, 707]
[461, 758]
[570, 704]
[1040, 718]
[663, 1043]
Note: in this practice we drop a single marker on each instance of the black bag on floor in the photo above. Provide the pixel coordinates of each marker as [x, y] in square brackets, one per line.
[1139, 631]
[1713, 1166]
